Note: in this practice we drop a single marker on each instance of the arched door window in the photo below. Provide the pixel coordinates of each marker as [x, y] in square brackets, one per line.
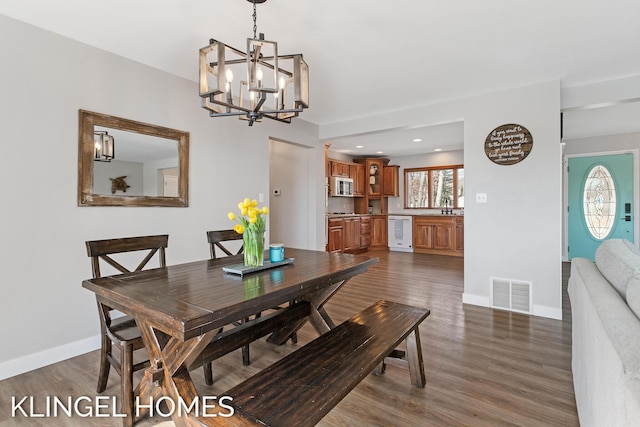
[599, 202]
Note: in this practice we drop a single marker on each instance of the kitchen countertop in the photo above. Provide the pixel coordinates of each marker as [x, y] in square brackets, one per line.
[447, 215]
[425, 214]
[338, 214]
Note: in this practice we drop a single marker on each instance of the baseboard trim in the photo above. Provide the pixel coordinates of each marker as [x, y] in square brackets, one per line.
[538, 310]
[476, 300]
[33, 361]
[549, 312]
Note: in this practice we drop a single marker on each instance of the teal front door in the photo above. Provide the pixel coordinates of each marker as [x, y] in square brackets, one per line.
[600, 196]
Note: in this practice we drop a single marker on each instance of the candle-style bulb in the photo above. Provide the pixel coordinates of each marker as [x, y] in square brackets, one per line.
[282, 83]
[229, 75]
[259, 74]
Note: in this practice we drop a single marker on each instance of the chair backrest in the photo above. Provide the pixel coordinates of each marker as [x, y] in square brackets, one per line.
[216, 237]
[102, 249]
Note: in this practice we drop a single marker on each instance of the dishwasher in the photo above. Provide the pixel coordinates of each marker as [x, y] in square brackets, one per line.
[399, 233]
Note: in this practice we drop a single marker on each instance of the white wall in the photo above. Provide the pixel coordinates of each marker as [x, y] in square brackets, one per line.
[45, 314]
[290, 172]
[599, 144]
[610, 107]
[517, 234]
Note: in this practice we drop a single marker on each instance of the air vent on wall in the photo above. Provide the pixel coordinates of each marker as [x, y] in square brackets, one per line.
[512, 295]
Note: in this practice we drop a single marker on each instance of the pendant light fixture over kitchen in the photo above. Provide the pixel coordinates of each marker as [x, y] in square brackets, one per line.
[253, 84]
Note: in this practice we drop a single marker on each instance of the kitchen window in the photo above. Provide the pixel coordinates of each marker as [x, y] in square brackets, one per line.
[434, 187]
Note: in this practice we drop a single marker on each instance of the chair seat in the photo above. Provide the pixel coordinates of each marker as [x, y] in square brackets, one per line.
[125, 329]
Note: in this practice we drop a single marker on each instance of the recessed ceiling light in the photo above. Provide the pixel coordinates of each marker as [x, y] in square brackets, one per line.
[359, 146]
[417, 140]
[379, 152]
[438, 149]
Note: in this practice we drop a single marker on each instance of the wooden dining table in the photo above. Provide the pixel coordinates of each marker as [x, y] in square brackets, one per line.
[180, 310]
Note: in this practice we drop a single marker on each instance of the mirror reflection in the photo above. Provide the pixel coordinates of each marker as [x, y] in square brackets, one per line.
[141, 165]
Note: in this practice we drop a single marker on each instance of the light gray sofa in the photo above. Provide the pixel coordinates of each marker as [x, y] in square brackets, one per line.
[605, 311]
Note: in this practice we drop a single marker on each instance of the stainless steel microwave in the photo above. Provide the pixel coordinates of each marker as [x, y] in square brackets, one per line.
[341, 187]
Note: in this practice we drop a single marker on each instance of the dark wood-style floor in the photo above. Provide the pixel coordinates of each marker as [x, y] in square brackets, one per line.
[484, 367]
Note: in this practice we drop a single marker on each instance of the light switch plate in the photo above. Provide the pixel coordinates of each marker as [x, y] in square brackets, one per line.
[481, 197]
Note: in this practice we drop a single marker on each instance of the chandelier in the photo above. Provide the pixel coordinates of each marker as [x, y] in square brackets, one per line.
[253, 84]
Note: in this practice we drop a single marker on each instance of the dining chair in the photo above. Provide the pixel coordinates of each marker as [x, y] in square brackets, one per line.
[216, 238]
[122, 332]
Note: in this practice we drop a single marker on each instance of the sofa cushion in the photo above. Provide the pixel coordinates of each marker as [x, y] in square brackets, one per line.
[619, 263]
[633, 298]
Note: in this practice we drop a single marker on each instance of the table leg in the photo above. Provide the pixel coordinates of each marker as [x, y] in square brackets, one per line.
[414, 357]
[168, 375]
[147, 393]
[318, 318]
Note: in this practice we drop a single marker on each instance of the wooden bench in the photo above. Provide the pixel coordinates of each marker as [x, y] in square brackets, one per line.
[301, 388]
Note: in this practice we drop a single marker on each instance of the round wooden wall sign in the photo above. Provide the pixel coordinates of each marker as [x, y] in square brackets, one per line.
[508, 144]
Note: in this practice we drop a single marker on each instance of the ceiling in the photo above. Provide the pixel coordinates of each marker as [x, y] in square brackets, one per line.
[371, 57]
[402, 142]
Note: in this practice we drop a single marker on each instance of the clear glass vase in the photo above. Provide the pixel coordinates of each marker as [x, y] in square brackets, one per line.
[253, 241]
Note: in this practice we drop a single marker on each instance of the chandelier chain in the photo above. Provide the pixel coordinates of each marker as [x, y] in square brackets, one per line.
[255, 17]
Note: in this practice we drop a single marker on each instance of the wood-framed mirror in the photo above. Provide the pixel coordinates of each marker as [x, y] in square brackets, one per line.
[142, 165]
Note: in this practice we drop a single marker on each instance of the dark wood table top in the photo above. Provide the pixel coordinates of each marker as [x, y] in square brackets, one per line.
[188, 300]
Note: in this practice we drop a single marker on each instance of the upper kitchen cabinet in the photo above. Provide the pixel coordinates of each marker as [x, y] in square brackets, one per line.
[374, 200]
[356, 172]
[390, 185]
[339, 168]
[373, 169]
[373, 175]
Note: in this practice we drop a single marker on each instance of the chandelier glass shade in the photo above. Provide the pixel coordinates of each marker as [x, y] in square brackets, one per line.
[253, 84]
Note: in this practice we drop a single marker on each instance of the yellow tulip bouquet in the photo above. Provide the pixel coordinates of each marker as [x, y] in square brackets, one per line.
[251, 224]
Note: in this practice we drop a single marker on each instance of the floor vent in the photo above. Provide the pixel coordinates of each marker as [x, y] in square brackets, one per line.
[512, 295]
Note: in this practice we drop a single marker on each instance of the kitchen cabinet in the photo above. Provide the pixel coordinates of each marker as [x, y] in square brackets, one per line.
[336, 235]
[438, 235]
[390, 184]
[379, 238]
[459, 237]
[374, 201]
[422, 235]
[339, 168]
[351, 234]
[373, 170]
[356, 172]
[365, 232]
